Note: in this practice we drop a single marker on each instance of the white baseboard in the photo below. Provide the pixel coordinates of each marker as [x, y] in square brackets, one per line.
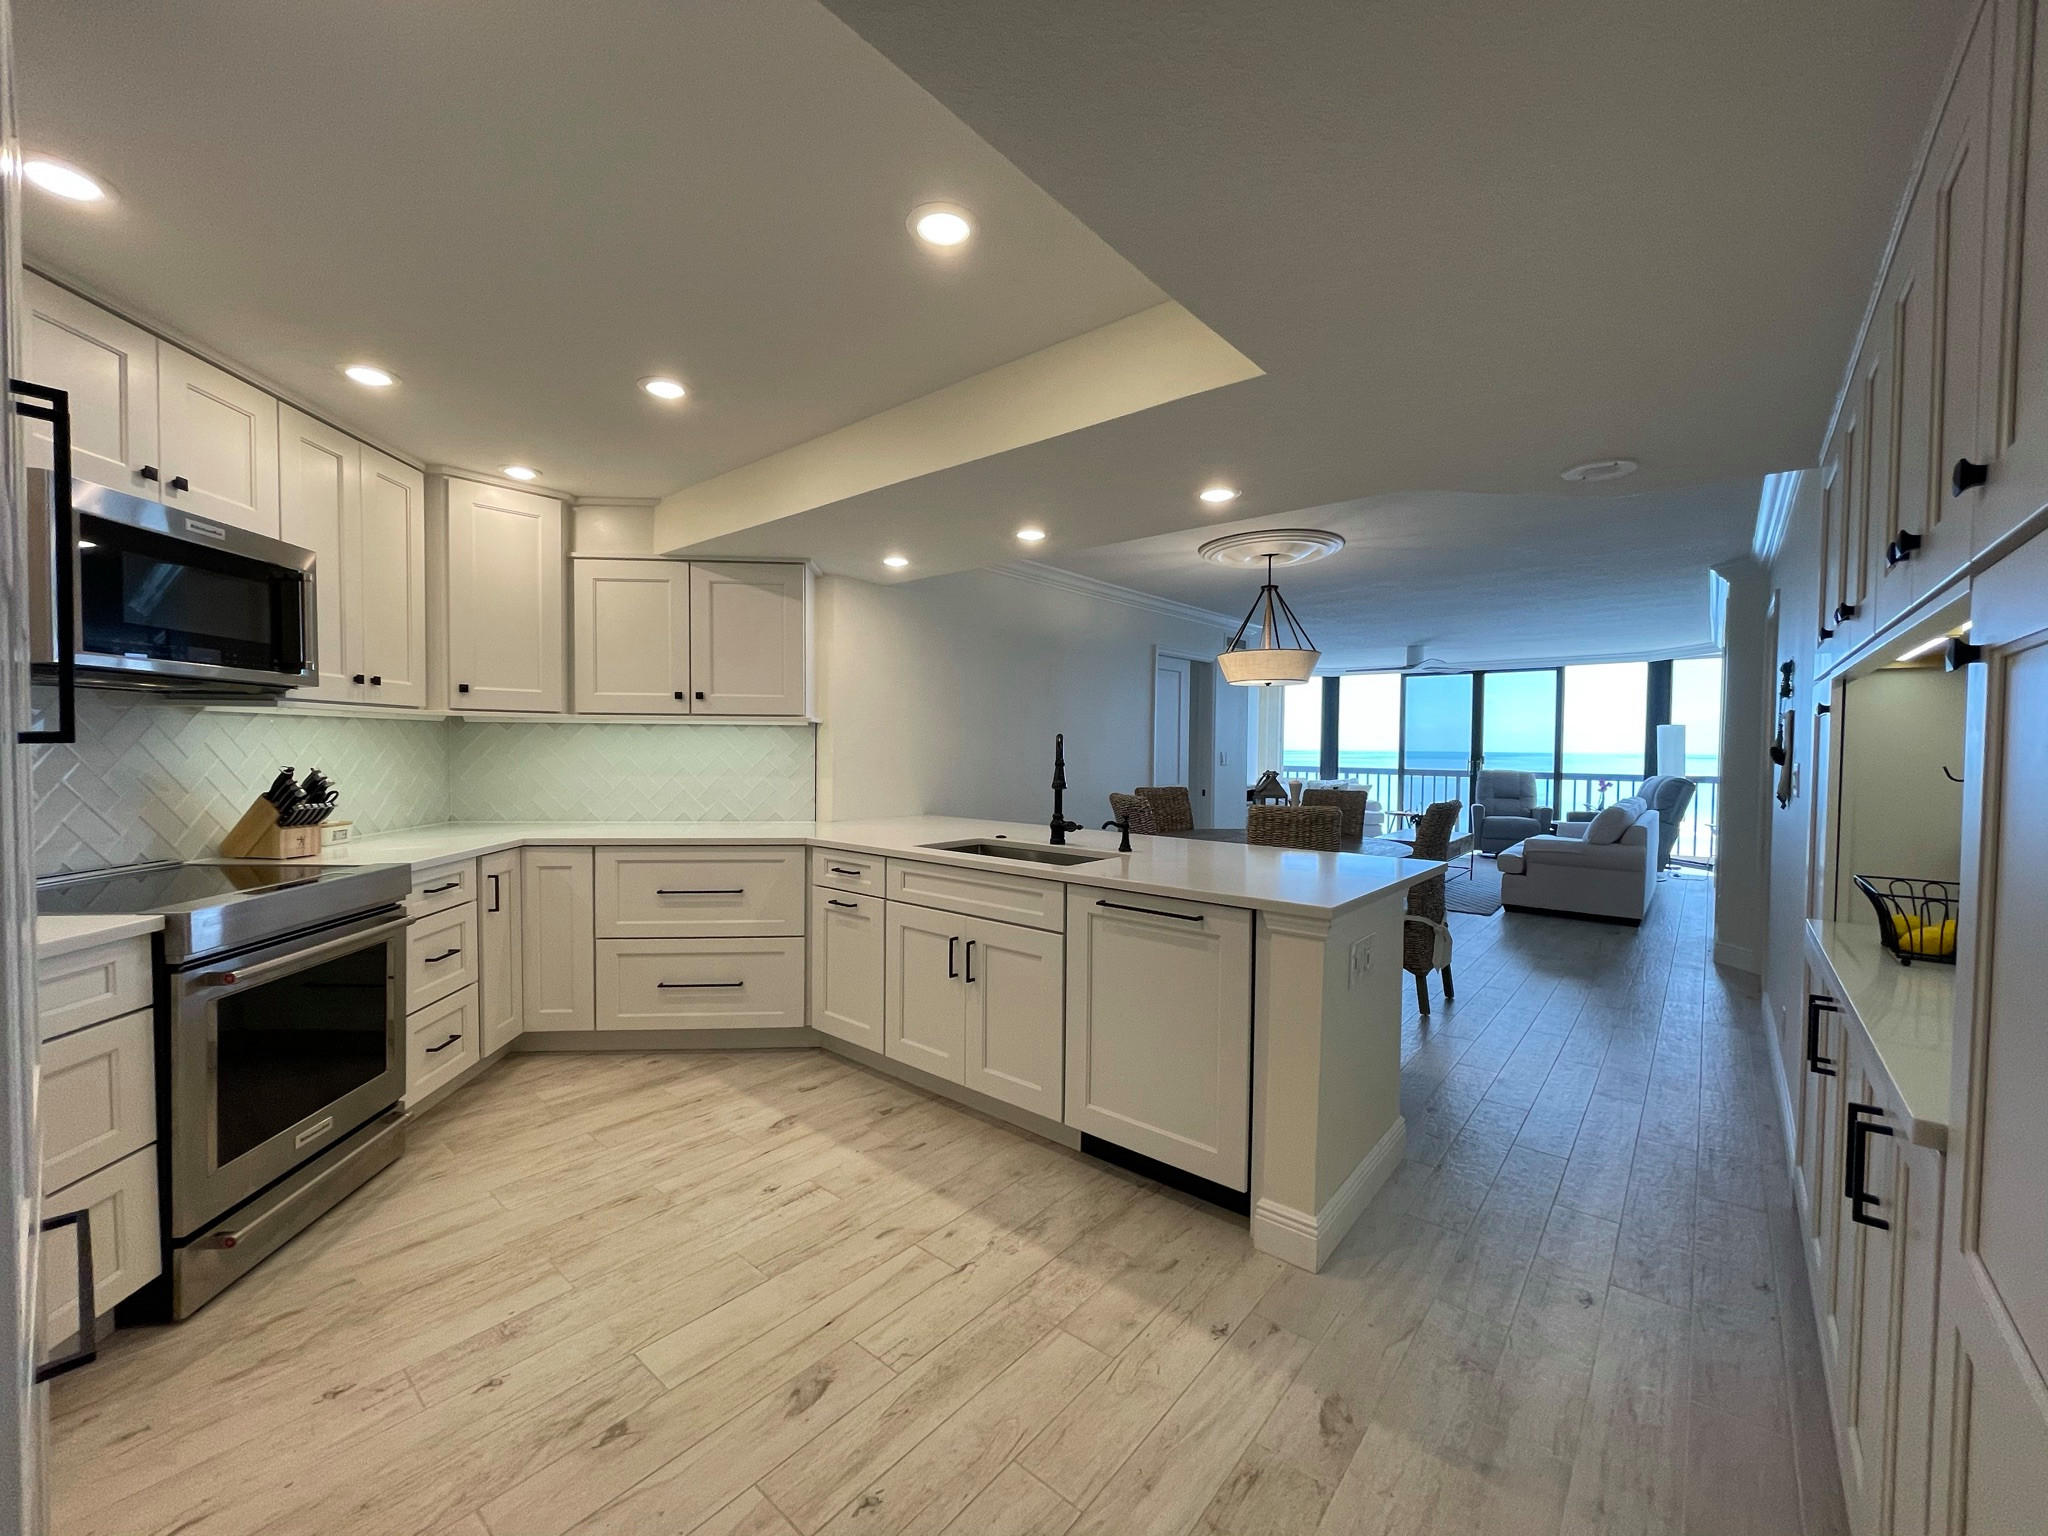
[1788, 1117]
[1737, 957]
[1306, 1241]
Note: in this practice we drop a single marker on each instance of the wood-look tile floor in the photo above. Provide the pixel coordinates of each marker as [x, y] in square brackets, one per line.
[773, 1292]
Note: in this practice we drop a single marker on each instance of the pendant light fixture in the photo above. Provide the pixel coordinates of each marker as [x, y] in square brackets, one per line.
[1284, 653]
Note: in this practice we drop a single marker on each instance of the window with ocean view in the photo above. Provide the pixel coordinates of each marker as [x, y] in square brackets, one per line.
[1606, 718]
[1520, 729]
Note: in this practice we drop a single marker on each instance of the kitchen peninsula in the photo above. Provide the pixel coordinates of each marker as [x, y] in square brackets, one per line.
[1224, 1012]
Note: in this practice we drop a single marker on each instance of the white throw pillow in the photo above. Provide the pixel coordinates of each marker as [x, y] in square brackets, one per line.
[1608, 826]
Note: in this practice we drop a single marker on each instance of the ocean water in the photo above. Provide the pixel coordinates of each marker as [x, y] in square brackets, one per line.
[1620, 765]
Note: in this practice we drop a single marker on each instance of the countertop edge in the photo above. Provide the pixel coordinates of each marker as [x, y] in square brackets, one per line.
[57, 936]
[1921, 1130]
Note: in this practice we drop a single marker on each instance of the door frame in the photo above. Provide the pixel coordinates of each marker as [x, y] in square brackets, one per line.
[1203, 681]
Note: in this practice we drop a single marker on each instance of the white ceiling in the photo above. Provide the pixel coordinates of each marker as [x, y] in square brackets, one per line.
[524, 207]
[1476, 579]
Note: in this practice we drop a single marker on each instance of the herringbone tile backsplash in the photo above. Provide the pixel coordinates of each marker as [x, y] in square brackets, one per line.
[150, 780]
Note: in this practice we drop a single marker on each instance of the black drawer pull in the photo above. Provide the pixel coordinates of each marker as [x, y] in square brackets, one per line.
[1178, 917]
[1967, 476]
[1844, 612]
[1862, 1126]
[434, 1050]
[435, 890]
[833, 901]
[970, 962]
[687, 986]
[838, 871]
[737, 890]
[87, 1350]
[446, 954]
[1902, 548]
[1819, 1065]
[180, 483]
[952, 959]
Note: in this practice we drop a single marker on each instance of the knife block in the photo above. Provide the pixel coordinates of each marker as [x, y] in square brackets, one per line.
[258, 836]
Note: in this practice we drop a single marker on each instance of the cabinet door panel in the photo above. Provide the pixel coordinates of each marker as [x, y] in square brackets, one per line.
[320, 498]
[1159, 1005]
[925, 998]
[700, 983]
[387, 560]
[499, 999]
[847, 947]
[220, 436]
[441, 1044]
[126, 1246]
[558, 954]
[440, 955]
[632, 637]
[1870, 1261]
[109, 368]
[1016, 1011]
[505, 600]
[703, 892]
[748, 639]
[97, 1098]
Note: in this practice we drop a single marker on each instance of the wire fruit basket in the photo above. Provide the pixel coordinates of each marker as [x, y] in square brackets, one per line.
[1916, 919]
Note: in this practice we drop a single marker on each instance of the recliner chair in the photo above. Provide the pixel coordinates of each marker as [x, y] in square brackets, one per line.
[1504, 810]
[1668, 795]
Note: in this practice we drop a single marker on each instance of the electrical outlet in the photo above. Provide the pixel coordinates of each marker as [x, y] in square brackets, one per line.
[1361, 959]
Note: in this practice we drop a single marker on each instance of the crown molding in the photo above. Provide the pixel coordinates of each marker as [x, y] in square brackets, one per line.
[1108, 591]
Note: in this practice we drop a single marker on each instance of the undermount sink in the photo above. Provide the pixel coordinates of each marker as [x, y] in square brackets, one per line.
[1030, 853]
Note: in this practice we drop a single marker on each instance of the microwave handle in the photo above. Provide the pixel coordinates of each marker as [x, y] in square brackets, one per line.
[56, 410]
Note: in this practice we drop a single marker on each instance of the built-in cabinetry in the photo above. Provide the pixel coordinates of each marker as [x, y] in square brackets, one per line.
[672, 637]
[501, 980]
[443, 1026]
[97, 1124]
[497, 564]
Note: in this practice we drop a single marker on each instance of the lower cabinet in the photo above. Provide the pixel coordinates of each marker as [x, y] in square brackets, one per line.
[97, 1102]
[1159, 1029]
[846, 950]
[126, 1251]
[558, 926]
[500, 1000]
[738, 983]
[442, 1040]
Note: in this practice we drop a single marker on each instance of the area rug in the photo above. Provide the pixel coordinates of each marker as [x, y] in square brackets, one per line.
[1477, 893]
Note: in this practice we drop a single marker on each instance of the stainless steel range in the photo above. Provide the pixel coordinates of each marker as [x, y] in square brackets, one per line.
[280, 1046]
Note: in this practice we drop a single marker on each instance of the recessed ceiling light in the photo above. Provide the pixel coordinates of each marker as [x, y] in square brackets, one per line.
[895, 562]
[521, 472]
[663, 389]
[1600, 469]
[1031, 535]
[941, 224]
[1216, 495]
[370, 376]
[61, 180]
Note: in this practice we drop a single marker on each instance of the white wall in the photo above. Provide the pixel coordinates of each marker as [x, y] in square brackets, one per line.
[943, 696]
[1795, 579]
[1900, 814]
[1748, 678]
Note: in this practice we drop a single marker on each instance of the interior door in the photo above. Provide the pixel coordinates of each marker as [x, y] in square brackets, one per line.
[924, 996]
[1172, 688]
[109, 367]
[219, 441]
[385, 552]
[320, 500]
[632, 637]
[749, 639]
[504, 600]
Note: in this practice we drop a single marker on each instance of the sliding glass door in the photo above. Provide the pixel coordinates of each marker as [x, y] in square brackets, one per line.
[1518, 729]
[1436, 739]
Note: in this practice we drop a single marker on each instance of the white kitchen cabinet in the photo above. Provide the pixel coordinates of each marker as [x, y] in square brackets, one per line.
[97, 1101]
[925, 1001]
[846, 963]
[632, 645]
[749, 638]
[89, 985]
[557, 952]
[218, 437]
[440, 955]
[108, 367]
[443, 1040]
[1016, 983]
[320, 499]
[499, 1002]
[438, 887]
[727, 983]
[702, 892]
[1159, 1029]
[496, 562]
[979, 893]
[126, 1251]
[864, 874]
[384, 556]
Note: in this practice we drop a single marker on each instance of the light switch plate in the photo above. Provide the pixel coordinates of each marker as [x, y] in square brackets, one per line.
[1361, 959]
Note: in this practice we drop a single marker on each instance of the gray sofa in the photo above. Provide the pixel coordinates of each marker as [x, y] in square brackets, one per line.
[1504, 810]
[1592, 868]
[1668, 795]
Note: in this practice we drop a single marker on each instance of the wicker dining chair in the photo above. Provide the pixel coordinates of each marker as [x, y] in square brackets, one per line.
[1172, 810]
[1317, 827]
[1425, 938]
[1136, 810]
[1352, 802]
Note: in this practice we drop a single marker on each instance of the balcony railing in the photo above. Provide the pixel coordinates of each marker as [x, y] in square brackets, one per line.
[1414, 789]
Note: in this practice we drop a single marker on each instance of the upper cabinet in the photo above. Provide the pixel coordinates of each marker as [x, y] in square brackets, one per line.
[632, 637]
[501, 558]
[749, 639]
[109, 367]
[218, 437]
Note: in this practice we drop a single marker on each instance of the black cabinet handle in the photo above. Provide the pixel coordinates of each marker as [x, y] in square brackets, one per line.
[1817, 1064]
[833, 901]
[1902, 547]
[357, 678]
[952, 965]
[736, 890]
[970, 962]
[148, 472]
[838, 871]
[700, 693]
[446, 954]
[1844, 612]
[180, 483]
[1178, 917]
[462, 687]
[435, 890]
[435, 1050]
[56, 410]
[1826, 634]
[494, 893]
[376, 682]
[687, 986]
[87, 1350]
[1967, 476]
[1862, 1126]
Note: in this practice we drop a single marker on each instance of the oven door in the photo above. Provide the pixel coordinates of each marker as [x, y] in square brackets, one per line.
[277, 1052]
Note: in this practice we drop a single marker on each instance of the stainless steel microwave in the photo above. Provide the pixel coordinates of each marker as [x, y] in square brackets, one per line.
[164, 598]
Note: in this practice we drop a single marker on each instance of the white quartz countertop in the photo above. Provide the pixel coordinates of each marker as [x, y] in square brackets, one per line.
[1230, 874]
[1905, 1013]
[66, 935]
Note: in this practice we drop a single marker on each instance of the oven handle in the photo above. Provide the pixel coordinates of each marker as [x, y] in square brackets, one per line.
[298, 960]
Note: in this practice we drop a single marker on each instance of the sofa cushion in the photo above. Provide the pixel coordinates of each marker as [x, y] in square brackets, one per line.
[1510, 861]
[1577, 853]
[1608, 826]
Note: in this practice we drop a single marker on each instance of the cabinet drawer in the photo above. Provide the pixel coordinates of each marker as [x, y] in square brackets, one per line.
[863, 873]
[441, 1040]
[678, 893]
[979, 893]
[440, 956]
[442, 887]
[75, 990]
[126, 1249]
[700, 983]
[98, 1099]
